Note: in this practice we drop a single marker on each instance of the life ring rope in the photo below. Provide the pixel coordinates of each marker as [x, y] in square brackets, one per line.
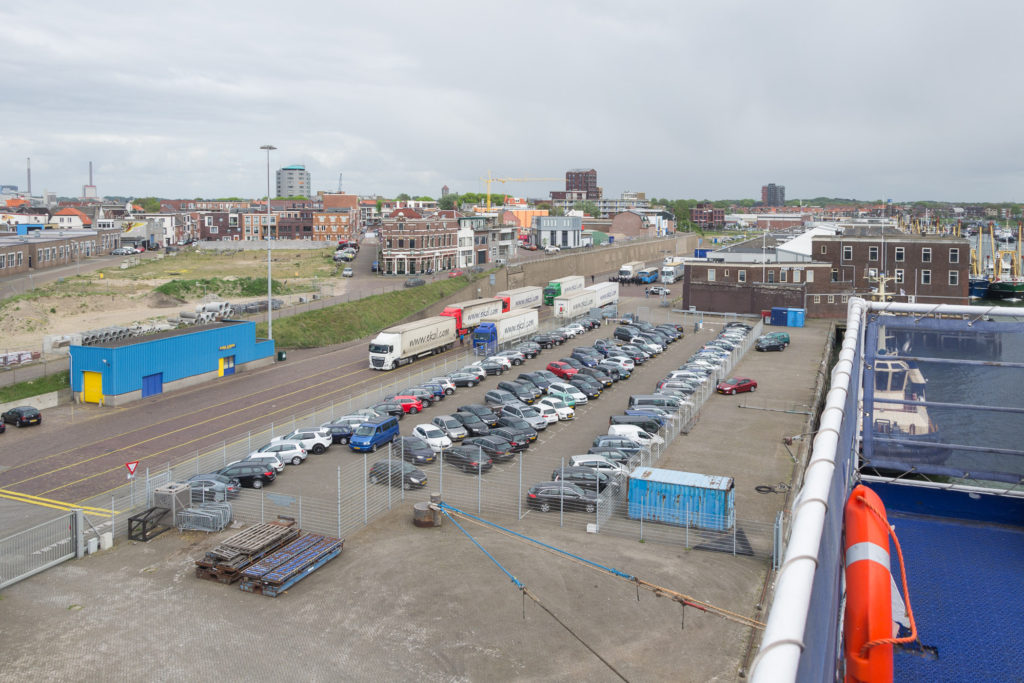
[903, 578]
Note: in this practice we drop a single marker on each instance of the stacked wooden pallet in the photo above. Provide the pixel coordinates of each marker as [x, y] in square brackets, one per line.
[279, 571]
[226, 561]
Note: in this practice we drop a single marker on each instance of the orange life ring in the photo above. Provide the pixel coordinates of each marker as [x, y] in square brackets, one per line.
[868, 616]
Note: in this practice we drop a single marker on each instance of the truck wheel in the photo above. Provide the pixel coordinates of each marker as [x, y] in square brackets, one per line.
[545, 507]
[319, 448]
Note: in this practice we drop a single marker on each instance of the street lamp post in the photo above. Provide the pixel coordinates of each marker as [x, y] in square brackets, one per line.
[270, 301]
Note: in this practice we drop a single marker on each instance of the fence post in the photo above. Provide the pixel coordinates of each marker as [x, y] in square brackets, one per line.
[440, 475]
[339, 501]
[78, 524]
[366, 493]
[519, 499]
[561, 494]
[262, 520]
[641, 518]
[390, 475]
[734, 538]
[479, 475]
[113, 518]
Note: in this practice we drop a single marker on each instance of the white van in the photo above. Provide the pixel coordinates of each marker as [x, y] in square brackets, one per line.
[634, 432]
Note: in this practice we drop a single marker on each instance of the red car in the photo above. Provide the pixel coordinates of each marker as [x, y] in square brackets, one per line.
[455, 273]
[563, 370]
[410, 404]
[735, 385]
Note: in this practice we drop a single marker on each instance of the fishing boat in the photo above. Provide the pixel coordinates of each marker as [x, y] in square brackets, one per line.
[979, 278]
[1007, 281]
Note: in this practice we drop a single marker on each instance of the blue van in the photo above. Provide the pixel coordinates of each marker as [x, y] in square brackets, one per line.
[374, 433]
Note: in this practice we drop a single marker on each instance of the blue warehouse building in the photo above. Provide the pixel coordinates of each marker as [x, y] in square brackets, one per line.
[118, 372]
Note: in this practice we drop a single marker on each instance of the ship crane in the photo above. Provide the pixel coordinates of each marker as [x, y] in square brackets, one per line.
[488, 180]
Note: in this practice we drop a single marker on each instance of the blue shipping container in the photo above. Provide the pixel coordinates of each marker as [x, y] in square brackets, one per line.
[682, 498]
[795, 317]
[701, 253]
[780, 316]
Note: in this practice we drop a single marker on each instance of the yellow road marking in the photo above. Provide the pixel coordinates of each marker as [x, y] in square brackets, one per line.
[51, 503]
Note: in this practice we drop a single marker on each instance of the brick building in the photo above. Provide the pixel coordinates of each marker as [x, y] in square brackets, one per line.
[417, 245]
[707, 216]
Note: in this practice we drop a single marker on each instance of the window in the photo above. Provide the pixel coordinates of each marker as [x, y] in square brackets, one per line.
[771, 276]
[899, 276]
[726, 272]
[835, 275]
[796, 276]
[782, 275]
[847, 252]
[824, 249]
[872, 253]
[954, 255]
[810, 276]
[900, 254]
[844, 298]
[741, 276]
[926, 277]
[817, 298]
[711, 274]
[926, 255]
[831, 298]
[954, 278]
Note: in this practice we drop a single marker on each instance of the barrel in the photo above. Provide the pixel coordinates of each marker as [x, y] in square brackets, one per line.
[422, 515]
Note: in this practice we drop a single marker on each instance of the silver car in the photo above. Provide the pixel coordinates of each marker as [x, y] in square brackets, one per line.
[531, 415]
[451, 427]
[288, 451]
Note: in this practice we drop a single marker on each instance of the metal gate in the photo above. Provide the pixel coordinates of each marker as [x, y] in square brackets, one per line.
[153, 384]
[41, 547]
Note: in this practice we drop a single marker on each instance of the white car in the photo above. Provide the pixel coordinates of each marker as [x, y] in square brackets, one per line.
[515, 357]
[637, 434]
[433, 436]
[621, 362]
[687, 375]
[506, 363]
[446, 383]
[573, 329]
[572, 390]
[562, 411]
[348, 272]
[313, 439]
[551, 249]
[288, 451]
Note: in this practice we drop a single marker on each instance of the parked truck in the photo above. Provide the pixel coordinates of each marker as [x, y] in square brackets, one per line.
[672, 271]
[504, 328]
[575, 304]
[561, 287]
[405, 343]
[629, 270]
[524, 297]
[605, 293]
[468, 314]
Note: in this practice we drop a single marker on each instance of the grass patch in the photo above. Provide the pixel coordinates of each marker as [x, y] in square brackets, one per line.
[34, 387]
[244, 286]
[357, 319]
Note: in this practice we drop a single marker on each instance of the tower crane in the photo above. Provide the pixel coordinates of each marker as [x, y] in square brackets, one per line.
[488, 180]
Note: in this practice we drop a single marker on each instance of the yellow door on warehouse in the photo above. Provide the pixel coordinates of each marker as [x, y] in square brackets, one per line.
[92, 387]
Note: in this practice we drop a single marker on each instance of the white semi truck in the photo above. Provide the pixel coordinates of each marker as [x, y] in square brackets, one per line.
[575, 304]
[524, 297]
[605, 293]
[403, 344]
[628, 270]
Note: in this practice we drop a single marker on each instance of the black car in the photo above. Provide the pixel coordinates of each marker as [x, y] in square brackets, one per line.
[620, 442]
[468, 458]
[599, 375]
[536, 379]
[250, 475]
[587, 478]
[529, 349]
[483, 412]
[435, 388]
[473, 424]
[517, 440]
[559, 336]
[426, 396]
[415, 282]
[389, 408]
[769, 344]
[544, 341]
[341, 429]
[415, 450]
[613, 370]
[212, 488]
[561, 495]
[23, 416]
[398, 473]
[464, 379]
[518, 424]
[527, 393]
[490, 367]
[590, 323]
[736, 323]
[575, 363]
[589, 387]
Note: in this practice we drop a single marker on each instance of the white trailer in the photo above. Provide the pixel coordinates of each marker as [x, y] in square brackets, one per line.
[504, 328]
[403, 344]
[672, 271]
[574, 305]
[563, 286]
[524, 297]
[605, 293]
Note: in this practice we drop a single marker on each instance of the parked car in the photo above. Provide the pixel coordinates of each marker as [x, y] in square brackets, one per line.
[314, 440]
[414, 449]
[433, 436]
[410, 404]
[250, 475]
[489, 417]
[564, 391]
[769, 344]
[587, 478]
[272, 460]
[389, 408]
[496, 398]
[735, 385]
[348, 272]
[514, 356]
[456, 273]
[551, 249]
[446, 383]
[620, 442]
[415, 282]
[565, 410]
[451, 427]
[600, 376]
[535, 378]
[496, 446]
[468, 458]
[562, 369]
[616, 455]
[287, 451]
[374, 433]
[600, 463]
[426, 396]
[397, 473]
[472, 423]
[561, 495]
[519, 439]
[465, 379]
[490, 367]
[589, 386]
[506, 362]
[22, 416]
[527, 392]
[529, 349]
[636, 433]
[212, 488]
[544, 340]
[527, 415]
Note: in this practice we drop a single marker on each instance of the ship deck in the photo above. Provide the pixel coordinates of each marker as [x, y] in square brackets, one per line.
[965, 560]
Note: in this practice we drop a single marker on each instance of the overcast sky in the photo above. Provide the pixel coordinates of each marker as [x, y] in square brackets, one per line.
[708, 99]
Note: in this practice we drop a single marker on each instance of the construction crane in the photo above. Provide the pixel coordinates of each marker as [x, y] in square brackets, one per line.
[488, 180]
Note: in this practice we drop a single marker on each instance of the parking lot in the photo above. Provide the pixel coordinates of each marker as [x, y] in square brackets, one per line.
[391, 591]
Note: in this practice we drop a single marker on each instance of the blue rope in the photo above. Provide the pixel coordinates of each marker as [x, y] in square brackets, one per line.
[610, 570]
[484, 551]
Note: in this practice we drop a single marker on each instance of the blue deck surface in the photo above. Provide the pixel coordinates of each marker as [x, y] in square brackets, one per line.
[966, 580]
